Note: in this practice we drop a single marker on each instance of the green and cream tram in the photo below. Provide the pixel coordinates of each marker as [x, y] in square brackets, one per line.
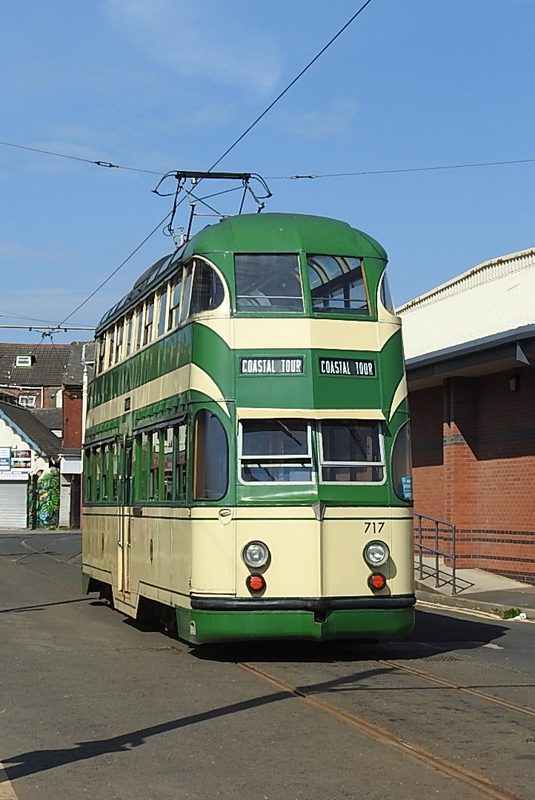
[247, 453]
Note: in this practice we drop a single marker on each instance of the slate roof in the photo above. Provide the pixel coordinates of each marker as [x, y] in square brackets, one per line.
[52, 364]
[48, 367]
[28, 425]
[51, 418]
[74, 371]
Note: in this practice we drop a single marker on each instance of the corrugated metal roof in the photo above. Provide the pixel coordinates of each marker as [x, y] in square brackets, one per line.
[494, 297]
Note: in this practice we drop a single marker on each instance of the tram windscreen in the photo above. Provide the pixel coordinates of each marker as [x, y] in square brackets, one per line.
[276, 451]
[337, 285]
[268, 283]
[351, 452]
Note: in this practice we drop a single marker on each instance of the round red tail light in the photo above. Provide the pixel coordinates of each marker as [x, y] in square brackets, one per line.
[255, 583]
[377, 581]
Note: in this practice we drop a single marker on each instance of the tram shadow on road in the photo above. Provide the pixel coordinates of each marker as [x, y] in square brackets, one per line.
[433, 635]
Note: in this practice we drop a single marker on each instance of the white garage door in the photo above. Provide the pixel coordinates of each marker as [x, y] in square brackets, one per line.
[13, 496]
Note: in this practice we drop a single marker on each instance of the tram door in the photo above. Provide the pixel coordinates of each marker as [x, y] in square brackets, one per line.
[124, 497]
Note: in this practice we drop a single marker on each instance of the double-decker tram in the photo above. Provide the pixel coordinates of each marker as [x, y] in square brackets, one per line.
[247, 452]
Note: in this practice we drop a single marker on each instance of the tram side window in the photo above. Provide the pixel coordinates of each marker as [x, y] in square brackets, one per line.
[337, 285]
[162, 304]
[101, 345]
[88, 475]
[119, 342]
[149, 320]
[129, 336]
[275, 451]
[174, 303]
[351, 451]
[139, 315]
[111, 346]
[181, 464]
[207, 292]
[155, 466]
[168, 464]
[211, 457]
[268, 283]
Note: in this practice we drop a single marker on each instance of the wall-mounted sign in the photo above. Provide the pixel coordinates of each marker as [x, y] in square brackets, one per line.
[5, 459]
[352, 367]
[271, 366]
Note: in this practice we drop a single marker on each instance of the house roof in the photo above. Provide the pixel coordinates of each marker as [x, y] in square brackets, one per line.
[27, 425]
[74, 371]
[52, 364]
[51, 418]
[48, 364]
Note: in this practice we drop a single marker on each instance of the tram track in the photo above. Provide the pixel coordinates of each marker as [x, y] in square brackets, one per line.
[372, 730]
[497, 701]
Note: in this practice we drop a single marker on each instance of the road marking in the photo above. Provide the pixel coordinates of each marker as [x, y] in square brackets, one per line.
[7, 791]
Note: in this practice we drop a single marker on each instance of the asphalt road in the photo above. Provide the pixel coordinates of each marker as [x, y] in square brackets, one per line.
[92, 705]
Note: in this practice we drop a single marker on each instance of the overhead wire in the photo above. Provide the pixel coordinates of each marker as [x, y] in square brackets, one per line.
[107, 164]
[227, 151]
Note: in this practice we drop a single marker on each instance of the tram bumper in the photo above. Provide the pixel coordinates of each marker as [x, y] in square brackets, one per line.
[232, 619]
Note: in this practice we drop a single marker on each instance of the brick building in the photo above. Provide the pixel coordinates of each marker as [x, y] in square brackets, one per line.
[41, 415]
[470, 351]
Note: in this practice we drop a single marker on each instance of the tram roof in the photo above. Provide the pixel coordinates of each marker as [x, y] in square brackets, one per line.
[268, 232]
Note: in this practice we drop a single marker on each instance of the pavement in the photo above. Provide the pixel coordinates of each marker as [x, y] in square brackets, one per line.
[476, 589]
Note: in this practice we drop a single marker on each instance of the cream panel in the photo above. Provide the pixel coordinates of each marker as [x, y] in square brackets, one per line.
[399, 396]
[213, 557]
[176, 382]
[305, 334]
[345, 573]
[294, 570]
[310, 413]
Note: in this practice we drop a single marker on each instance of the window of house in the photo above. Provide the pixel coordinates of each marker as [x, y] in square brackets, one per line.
[26, 400]
[268, 283]
[23, 361]
[337, 285]
[274, 451]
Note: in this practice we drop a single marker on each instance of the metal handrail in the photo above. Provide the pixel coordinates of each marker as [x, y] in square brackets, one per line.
[437, 531]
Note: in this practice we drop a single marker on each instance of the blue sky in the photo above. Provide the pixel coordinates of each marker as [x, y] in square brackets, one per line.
[170, 84]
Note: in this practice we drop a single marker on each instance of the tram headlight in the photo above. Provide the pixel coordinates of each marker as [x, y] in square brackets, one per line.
[256, 554]
[376, 554]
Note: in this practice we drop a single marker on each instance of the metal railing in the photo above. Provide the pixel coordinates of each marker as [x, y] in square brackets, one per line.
[435, 540]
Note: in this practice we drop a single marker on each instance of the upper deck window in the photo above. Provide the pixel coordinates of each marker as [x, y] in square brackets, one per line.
[207, 292]
[268, 284]
[337, 285]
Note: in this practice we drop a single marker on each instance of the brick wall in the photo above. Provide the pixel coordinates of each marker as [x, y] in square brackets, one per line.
[474, 466]
[72, 417]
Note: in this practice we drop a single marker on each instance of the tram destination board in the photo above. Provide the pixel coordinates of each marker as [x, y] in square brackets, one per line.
[286, 365]
[352, 367]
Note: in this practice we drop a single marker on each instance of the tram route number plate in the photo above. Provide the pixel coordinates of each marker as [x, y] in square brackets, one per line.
[352, 367]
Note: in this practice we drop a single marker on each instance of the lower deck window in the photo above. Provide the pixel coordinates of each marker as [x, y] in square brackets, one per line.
[276, 451]
[283, 451]
[351, 451]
